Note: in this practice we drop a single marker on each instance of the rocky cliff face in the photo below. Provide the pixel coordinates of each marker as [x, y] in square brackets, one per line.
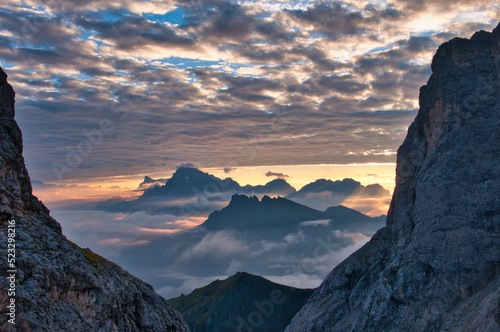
[59, 286]
[436, 265]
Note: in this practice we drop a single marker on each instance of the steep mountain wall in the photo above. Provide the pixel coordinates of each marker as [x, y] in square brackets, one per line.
[59, 286]
[436, 265]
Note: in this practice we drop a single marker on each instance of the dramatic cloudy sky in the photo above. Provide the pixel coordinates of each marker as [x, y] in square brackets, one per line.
[111, 90]
[133, 87]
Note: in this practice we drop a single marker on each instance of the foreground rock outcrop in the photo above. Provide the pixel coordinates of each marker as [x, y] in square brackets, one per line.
[59, 286]
[436, 265]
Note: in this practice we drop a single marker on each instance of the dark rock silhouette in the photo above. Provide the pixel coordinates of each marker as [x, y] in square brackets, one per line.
[189, 181]
[242, 302]
[245, 212]
[280, 215]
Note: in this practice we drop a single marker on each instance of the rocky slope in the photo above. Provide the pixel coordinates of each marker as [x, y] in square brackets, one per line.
[243, 302]
[436, 265]
[61, 287]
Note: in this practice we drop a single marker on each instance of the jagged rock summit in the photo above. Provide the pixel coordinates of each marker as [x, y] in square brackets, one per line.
[436, 265]
[59, 286]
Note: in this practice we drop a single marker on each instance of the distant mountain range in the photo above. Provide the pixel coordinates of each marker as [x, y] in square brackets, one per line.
[275, 187]
[294, 234]
[189, 182]
[270, 236]
[353, 220]
[323, 193]
[343, 187]
[190, 191]
[243, 302]
[248, 213]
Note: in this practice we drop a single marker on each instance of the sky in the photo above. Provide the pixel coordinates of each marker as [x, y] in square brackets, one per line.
[121, 89]
[108, 91]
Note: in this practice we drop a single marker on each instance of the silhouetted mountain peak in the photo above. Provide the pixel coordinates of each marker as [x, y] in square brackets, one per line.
[147, 179]
[278, 181]
[189, 175]
[245, 212]
[275, 187]
[188, 171]
[224, 305]
[267, 199]
[150, 183]
[243, 276]
[189, 182]
[238, 199]
[346, 185]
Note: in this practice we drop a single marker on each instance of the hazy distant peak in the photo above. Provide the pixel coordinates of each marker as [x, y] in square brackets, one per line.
[147, 179]
[276, 187]
[375, 190]
[342, 188]
[277, 181]
[188, 171]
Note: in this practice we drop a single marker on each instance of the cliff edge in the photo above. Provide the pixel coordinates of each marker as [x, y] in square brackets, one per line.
[436, 265]
[59, 286]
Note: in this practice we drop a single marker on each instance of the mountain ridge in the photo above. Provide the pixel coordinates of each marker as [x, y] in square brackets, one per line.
[241, 302]
[248, 212]
[205, 192]
[344, 187]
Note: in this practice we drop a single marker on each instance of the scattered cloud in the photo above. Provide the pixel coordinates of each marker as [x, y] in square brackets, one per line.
[190, 165]
[184, 258]
[323, 222]
[276, 174]
[219, 244]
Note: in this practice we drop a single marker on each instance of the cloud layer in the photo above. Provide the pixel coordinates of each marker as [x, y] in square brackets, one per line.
[132, 86]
